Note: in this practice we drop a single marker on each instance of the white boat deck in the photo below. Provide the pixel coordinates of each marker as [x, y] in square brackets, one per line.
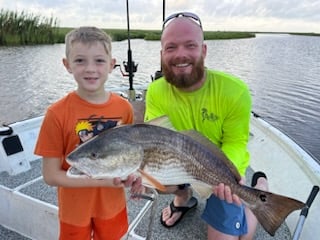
[33, 208]
[290, 170]
[28, 206]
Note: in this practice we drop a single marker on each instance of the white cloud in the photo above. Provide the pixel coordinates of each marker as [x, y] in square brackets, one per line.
[242, 15]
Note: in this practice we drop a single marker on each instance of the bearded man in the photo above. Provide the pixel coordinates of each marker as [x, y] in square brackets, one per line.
[217, 105]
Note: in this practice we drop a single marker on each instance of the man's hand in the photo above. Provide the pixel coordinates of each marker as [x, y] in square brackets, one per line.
[224, 193]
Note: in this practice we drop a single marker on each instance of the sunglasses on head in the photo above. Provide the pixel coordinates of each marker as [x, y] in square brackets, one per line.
[182, 14]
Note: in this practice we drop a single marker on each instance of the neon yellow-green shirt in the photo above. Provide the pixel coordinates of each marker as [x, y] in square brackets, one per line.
[220, 110]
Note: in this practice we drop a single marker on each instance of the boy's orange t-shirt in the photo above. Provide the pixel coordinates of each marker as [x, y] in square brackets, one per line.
[68, 123]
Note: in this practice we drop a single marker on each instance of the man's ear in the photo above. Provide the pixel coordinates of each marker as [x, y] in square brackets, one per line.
[204, 50]
[66, 64]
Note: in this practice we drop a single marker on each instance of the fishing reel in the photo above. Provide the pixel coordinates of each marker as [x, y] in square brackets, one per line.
[128, 68]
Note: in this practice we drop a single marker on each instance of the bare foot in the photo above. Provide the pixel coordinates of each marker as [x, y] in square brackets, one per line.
[181, 204]
[262, 184]
[169, 218]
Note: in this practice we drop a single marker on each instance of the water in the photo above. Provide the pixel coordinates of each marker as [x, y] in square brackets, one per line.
[282, 72]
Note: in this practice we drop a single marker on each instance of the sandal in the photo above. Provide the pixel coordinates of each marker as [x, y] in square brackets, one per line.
[192, 203]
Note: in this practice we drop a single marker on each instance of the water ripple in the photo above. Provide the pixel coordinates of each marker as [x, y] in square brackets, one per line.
[282, 72]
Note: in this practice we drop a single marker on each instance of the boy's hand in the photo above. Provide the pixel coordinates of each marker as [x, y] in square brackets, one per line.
[132, 181]
[137, 188]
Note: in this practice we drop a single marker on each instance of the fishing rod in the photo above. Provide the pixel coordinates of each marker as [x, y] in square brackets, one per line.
[158, 73]
[304, 213]
[163, 10]
[129, 66]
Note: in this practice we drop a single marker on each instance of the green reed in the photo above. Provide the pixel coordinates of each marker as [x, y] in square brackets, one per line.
[26, 28]
[119, 35]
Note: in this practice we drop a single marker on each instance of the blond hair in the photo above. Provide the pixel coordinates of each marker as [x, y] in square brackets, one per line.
[88, 35]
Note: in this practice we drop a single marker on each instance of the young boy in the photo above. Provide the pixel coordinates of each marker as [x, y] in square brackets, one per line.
[88, 208]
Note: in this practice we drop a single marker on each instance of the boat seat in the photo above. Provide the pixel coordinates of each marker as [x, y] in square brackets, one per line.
[13, 159]
[17, 142]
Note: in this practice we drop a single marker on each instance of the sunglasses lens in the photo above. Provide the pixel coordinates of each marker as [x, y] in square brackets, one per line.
[182, 14]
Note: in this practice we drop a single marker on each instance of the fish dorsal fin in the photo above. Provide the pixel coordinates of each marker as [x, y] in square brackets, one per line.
[152, 181]
[162, 121]
[214, 149]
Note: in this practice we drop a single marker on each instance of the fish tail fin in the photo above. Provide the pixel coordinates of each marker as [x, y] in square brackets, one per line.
[272, 209]
[154, 182]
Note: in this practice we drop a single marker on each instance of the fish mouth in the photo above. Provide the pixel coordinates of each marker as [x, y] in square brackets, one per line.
[71, 160]
[76, 173]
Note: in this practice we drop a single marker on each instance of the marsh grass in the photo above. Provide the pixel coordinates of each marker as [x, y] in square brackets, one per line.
[119, 35]
[26, 29]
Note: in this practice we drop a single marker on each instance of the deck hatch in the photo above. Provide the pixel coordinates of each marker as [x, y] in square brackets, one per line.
[12, 145]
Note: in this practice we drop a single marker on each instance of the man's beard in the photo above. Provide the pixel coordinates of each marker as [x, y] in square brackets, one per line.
[184, 80]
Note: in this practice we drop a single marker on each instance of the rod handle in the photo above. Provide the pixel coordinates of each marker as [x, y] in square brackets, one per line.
[311, 197]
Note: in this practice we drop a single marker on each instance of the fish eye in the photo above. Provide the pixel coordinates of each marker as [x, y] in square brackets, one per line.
[93, 155]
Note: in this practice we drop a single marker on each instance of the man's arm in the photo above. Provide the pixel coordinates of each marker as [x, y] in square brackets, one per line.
[236, 133]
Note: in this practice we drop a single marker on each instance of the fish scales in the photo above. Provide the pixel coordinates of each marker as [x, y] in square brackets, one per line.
[171, 150]
[185, 162]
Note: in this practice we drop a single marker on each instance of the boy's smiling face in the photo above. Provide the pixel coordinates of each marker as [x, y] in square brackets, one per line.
[90, 65]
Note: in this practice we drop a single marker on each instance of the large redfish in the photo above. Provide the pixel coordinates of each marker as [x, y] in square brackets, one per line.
[174, 158]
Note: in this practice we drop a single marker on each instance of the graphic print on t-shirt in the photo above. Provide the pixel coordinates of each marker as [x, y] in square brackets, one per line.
[87, 128]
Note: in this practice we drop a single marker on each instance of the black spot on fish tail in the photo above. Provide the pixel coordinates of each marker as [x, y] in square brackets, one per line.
[272, 209]
[263, 197]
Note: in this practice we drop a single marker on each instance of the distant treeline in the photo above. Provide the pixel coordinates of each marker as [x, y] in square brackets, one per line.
[307, 34]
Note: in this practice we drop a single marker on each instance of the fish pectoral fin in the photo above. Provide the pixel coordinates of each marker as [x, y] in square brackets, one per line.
[152, 181]
[202, 189]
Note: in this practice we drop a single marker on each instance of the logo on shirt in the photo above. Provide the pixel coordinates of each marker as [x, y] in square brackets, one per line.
[208, 116]
[89, 127]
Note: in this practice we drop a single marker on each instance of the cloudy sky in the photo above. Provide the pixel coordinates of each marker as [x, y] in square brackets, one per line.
[222, 15]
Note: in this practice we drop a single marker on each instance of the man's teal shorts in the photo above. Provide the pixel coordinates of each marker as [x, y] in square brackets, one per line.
[225, 217]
